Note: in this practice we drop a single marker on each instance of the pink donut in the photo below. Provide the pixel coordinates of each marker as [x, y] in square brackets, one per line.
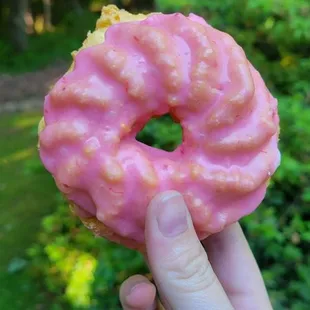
[148, 67]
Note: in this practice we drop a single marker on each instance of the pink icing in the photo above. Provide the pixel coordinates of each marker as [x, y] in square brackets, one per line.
[164, 64]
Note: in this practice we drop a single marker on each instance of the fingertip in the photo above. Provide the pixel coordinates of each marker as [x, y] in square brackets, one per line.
[142, 296]
[137, 292]
[162, 215]
[161, 198]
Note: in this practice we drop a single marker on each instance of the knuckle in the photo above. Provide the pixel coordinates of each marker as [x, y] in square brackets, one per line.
[190, 269]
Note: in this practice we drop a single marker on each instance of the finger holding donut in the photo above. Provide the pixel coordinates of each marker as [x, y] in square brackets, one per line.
[221, 273]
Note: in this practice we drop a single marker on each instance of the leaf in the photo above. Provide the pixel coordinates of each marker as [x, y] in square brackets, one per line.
[306, 236]
[306, 195]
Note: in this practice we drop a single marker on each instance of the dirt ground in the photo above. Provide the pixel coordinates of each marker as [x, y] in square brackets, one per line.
[19, 88]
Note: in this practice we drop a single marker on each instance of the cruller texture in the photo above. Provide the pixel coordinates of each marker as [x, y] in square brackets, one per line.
[134, 67]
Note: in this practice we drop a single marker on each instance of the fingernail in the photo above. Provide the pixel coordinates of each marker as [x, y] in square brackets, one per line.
[172, 215]
[131, 297]
[135, 287]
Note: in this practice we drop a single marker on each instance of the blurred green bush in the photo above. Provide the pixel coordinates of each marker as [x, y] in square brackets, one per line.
[46, 48]
[276, 38]
[81, 271]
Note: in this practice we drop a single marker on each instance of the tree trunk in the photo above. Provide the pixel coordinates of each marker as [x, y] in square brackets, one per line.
[47, 9]
[18, 33]
[29, 21]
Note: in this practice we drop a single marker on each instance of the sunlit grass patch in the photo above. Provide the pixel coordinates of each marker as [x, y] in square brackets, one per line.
[17, 156]
[28, 120]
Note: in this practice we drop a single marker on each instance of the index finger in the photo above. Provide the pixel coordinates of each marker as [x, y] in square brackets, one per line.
[236, 268]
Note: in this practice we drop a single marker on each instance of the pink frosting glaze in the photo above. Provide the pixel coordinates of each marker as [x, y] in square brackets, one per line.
[163, 64]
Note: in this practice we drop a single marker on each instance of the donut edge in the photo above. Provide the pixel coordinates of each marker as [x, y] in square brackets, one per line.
[101, 230]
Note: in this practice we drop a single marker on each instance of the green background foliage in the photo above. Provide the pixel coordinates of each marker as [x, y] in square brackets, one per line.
[78, 271]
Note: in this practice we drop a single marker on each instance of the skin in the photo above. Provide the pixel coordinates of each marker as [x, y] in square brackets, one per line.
[218, 273]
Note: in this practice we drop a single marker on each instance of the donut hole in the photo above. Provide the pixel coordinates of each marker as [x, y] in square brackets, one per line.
[162, 133]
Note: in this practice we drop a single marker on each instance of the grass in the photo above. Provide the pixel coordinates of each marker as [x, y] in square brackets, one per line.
[24, 199]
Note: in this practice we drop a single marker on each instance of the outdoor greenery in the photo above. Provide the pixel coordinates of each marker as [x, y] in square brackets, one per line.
[26, 194]
[76, 270]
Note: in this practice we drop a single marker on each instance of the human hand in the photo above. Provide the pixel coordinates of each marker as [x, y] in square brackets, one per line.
[218, 273]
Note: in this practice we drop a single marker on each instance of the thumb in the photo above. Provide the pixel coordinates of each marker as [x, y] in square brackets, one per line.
[179, 263]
